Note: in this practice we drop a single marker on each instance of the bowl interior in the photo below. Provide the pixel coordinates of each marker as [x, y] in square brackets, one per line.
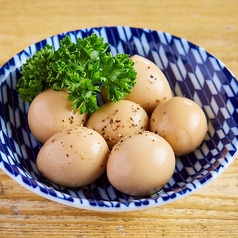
[191, 71]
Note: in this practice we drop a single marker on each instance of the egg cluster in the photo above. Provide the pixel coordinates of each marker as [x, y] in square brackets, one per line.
[135, 140]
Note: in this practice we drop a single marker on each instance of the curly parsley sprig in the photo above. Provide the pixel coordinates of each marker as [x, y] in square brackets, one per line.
[80, 68]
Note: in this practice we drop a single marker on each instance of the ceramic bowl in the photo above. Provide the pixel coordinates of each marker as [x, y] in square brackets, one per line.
[191, 71]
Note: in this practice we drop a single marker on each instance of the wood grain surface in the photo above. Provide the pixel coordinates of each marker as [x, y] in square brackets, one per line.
[210, 212]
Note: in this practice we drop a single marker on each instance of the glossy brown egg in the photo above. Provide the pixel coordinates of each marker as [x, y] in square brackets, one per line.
[181, 122]
[116, 120]
[140, 164]
[73, 157]
[49, 112]
[151, 86]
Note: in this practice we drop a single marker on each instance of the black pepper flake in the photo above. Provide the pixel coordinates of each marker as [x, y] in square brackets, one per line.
[104, 128]
[68, 131]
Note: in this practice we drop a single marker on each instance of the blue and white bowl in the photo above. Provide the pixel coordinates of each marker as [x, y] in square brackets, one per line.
[191, 71]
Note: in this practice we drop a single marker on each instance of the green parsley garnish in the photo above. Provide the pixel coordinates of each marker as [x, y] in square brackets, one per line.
[81, 68]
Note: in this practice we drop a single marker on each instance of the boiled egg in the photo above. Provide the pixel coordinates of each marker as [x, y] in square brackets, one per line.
[151, 86]
[140, 164]
[116, 120]
[181, 122]
[73, 157]
[50, 111]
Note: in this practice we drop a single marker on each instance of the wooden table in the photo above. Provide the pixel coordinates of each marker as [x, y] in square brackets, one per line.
[211, 211]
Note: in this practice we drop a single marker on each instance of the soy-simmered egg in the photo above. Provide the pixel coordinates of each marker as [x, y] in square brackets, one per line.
[140, 164]
[50, 111]
[181, 122]
[116, 120]
[151, 86]
[73, 157]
